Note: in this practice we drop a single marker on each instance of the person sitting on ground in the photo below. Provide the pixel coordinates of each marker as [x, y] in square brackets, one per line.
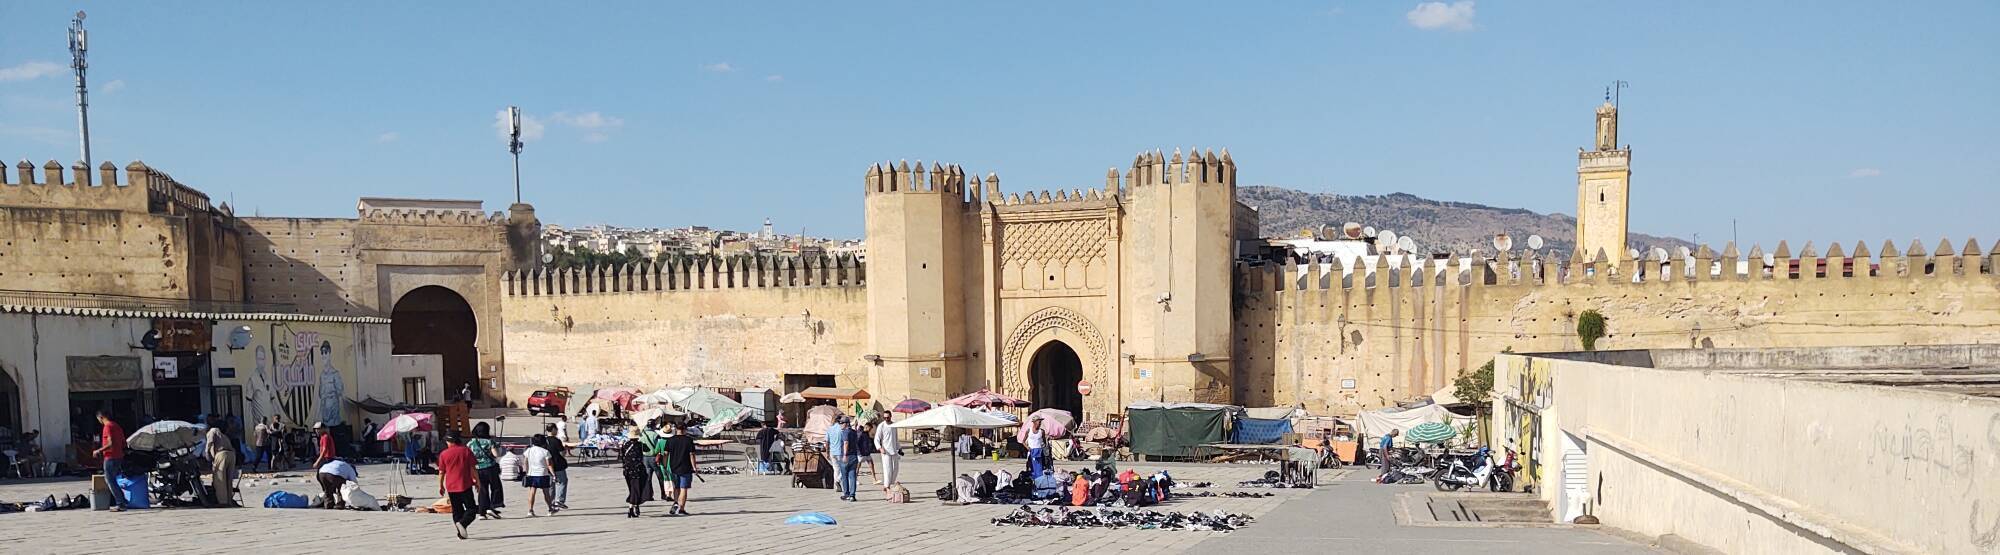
[510, 466]
[1079, 493]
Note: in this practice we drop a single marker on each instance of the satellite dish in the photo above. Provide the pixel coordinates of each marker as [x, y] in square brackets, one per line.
[1326, 233]
[1405, 244]
[239, 337]
[1770, 260]
[1660, 254]
[1503, 243]
[1685, 252]
[1368, 231]
[1535, 242]
[1386, 238]
[1631, 254]
[547, 258]
[1351, 230]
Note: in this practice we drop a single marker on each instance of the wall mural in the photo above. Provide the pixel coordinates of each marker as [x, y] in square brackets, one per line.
[297, 373]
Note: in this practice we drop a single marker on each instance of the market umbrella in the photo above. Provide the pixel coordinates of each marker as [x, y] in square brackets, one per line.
[819, 418]
[912, 406]
[1055, 423]
[953, 416]
[721, 411]
[165, 435]
[793, 397]
[656, 411]
[1430, 432]
[405, 423]
[985, 397]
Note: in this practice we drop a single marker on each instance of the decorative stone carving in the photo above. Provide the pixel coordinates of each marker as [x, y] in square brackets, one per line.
[1014, 364]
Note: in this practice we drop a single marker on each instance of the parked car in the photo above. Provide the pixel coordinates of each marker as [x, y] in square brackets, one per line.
[549, 402]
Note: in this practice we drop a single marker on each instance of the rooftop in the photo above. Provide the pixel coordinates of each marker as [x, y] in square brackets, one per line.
[1956, 369]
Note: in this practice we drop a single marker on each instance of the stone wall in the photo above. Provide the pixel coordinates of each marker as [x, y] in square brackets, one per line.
[718, 323]
[1745, 463]
[86, 232]
[1342, 340]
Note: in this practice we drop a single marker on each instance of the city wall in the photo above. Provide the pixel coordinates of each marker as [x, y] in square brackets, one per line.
[84, 231]
[717, 322]
[1339, 340]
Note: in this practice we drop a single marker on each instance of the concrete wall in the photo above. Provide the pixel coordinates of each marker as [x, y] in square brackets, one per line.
[1749, 464]
[729, 337]
[34, 352]
[1299, 339]
[389, 388]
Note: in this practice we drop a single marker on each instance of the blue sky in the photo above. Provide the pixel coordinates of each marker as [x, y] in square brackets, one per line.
[1822, 121]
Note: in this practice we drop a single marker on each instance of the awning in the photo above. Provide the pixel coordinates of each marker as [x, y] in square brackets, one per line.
[837, 393]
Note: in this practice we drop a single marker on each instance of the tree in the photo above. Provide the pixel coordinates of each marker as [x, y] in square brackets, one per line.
[1589, 328]
[1475, 387]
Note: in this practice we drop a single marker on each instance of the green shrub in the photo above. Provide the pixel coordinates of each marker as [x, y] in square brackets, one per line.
[1589, 328]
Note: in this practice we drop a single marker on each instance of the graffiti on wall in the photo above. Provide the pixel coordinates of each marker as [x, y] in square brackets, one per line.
[1532, 390]
[296, 374]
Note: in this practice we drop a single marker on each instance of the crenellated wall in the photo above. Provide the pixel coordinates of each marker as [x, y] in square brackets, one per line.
[720, 322]
[85, 232]
[1304, 330]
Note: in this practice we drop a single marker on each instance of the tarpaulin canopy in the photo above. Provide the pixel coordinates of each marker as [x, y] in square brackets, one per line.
[1261, 430]
[836, 393]
[1375, 423]
[1171, 431]
[379, 407]
[1274, 413]
[720, 411]
[818, 419]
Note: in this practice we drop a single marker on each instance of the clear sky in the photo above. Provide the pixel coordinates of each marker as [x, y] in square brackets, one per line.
[1802, 120]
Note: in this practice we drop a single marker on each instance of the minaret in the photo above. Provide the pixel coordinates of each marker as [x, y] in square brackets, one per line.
[767, 230]
[1603, 186]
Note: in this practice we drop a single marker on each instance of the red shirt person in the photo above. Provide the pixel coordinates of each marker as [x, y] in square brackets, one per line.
[112, 452]
[326, 453]
[457, 475]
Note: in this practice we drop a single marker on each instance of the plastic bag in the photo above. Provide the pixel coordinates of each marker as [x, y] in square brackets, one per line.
[284, 500]
[358, 499]
[817, 519]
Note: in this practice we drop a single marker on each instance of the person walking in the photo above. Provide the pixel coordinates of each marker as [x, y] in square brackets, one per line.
[539, 478]
[111, 451]
[458, 475]
[222, 463]
[638, 473]
[767, 437]
[562, 434]
[486, 461]
[281, 452]
[836, 450]
[867, 452]
[332, 475]
[1038, 446]
[656, 448]
[260, 443]
[559, 480]
[889, 451]
[851, 446]
[680, 463]
[326, 451]
[368, 430]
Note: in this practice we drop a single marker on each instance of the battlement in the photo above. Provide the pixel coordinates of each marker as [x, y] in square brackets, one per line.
[941, 179]
[691, 273]
[1156, 168]
[143, 190]
[1587, 160]
[1529, 268]
[1061, 199]
[416, 216]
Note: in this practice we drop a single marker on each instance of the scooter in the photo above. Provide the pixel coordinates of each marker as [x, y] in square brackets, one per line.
[1502, 479]
[1456, 472]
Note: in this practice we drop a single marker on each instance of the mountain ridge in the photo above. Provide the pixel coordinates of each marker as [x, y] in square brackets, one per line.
[1435, 225]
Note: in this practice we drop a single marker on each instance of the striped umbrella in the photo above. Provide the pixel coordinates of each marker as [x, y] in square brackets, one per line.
[912, 406]
[1430, 432]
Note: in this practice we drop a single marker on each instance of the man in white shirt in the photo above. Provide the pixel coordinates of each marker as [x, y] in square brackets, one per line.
[332, 476]
[1038, 444]
[510, 466]
[888, 452]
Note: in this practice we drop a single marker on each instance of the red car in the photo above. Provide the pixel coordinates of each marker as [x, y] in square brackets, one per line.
[549, 402]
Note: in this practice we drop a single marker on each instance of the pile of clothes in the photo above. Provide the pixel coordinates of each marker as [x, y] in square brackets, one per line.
[1271, 479]
[719, 470]
[1236, 494]
[1397, 476]
[1062, 488]
[51, 503]
[1143, 520]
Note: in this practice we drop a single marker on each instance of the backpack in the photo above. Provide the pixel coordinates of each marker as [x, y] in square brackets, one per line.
[899, 494]
[949, 492]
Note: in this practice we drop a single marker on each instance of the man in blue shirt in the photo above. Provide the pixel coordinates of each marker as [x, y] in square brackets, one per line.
[1388, 442]
[845, 455]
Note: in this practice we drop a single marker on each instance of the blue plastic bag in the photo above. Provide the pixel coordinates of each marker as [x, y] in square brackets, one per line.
[134, 492]
[285, 500]
[817, 519]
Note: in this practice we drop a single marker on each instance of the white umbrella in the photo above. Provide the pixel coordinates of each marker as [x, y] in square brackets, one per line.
[165, 435]
[793, 397]
[644, 416]
[953, 416]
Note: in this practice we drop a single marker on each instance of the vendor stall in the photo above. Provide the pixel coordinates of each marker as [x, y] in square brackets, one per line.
[1176, 430]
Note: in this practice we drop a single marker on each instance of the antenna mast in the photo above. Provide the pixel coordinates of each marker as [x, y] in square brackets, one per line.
[1618, 90]
[79, 45]
[514, 147]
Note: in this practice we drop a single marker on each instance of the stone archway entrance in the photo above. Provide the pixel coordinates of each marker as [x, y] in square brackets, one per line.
[434, 320]
[1053, 374]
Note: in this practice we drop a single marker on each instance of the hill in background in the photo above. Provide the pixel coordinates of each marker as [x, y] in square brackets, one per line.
[1436, 226]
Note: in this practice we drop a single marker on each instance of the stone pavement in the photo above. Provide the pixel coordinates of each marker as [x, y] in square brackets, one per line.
[746, 513]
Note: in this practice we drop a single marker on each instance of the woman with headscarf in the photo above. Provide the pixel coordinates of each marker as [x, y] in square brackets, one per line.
[637, 466]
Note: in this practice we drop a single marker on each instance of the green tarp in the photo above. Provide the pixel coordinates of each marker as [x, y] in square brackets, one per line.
[1168, 432]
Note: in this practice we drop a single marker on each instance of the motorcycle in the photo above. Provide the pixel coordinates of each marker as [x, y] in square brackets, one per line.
[1502, 479]
[1459, 471]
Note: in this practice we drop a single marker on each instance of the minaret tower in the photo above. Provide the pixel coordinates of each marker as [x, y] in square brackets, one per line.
[1603, 187]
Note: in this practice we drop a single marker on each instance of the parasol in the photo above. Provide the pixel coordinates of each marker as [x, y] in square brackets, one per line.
[656, 411]
[1055, 423]
[793, 397]
[1430, 432]
[912, 406]
[985, 397]
[165, 435]
[953, 416]
[818, 419]
[405, 423]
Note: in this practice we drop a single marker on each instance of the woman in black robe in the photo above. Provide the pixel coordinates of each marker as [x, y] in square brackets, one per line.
[637, 477]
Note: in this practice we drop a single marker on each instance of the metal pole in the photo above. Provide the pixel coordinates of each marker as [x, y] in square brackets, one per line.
[517, 175]
[78, 47]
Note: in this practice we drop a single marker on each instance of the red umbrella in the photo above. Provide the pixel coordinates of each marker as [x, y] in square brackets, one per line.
[912, 406]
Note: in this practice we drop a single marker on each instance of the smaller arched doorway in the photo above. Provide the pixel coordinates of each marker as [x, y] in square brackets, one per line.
[434, 320]
[10, 405]
[1053, 375]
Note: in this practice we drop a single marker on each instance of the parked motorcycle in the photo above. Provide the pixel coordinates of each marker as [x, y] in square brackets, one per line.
[1502, 479]
[1461, 471]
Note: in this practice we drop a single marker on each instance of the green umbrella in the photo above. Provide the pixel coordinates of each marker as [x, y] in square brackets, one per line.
[1430, 432]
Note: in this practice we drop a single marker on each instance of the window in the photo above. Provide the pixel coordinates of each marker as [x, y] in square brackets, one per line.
[413, 391]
